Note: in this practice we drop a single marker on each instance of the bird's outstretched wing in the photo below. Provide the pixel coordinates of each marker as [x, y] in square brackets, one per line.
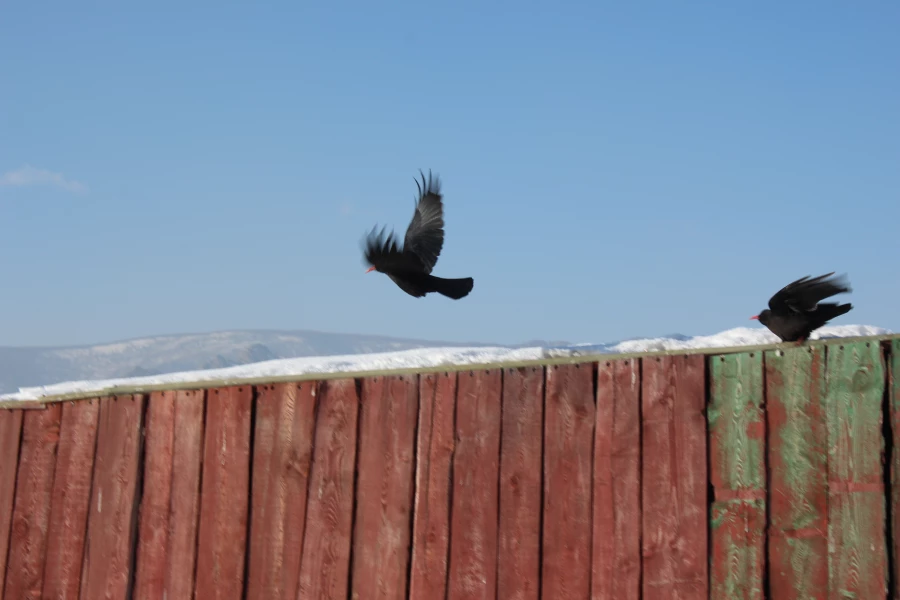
[805, 294]
[382, 251]
[425, 234]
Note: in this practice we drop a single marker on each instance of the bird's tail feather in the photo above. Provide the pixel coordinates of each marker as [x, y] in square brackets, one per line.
[830, 311]
[452, 288]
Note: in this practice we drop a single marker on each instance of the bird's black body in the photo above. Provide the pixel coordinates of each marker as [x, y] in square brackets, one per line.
[410, 266]
[796, 310]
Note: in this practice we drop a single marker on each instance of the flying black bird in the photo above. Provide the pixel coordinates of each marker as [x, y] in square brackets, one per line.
[796, 309]
[410, 267]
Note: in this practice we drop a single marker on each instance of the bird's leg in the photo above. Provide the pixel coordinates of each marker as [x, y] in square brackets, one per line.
[801, 341]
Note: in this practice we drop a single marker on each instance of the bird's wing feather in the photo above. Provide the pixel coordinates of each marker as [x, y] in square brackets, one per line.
[804, 295]
[425, 234]
[383, 252]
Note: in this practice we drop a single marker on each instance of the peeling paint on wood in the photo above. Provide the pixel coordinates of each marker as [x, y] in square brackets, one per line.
[737, 463]
[798, 542]
[856, 506]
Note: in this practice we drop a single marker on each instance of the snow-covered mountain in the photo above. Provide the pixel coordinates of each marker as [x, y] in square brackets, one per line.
[24, 367]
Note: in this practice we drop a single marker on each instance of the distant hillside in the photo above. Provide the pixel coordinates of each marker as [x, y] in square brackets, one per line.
[23, 367]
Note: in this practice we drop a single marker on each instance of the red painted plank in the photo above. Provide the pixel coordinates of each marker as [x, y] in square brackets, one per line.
[10, 434]
[674, 478]
[31, 515]
[894, 383]
[71, 498]
[616, 572]
[184, 507]
[325, 566]
[476, 471]
[108, 552]
[225, 495]
[384, 493]
[798, 471]
[285, 425]
[153, 528]
[519, 560]
[434, 457]
[568, 466]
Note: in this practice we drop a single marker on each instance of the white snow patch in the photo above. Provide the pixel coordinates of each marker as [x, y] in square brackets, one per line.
[430, 357]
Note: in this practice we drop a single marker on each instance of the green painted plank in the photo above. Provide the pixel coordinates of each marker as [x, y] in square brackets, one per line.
[857, 562]
[738, 475]
[798, 463]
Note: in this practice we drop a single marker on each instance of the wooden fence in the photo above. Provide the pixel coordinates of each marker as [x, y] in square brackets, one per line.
[755, 473]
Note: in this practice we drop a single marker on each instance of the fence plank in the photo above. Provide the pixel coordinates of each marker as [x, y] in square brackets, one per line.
[285, 424]
[325, 563]
[384, 493]
[568, 465]
[225, 493]
[184, 511]
[674, 479]
[521, 453]
[856, 505]
[10, 435]
[476, 472]
[434, 456]
[616, 570]
[895, 461]
[31, 513]
[738, 476]
[71, 498]
[153, 528]
[108, 551]
[798, 451]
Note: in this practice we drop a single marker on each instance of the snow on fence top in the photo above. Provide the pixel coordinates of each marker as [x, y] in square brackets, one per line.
[419, 359]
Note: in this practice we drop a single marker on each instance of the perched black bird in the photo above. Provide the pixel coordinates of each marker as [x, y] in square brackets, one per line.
[410, 267]
[796, 310]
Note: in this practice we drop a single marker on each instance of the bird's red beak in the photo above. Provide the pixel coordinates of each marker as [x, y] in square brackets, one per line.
[754, 318]
[370, 269]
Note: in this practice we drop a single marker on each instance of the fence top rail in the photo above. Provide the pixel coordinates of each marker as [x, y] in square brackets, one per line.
[448, 368]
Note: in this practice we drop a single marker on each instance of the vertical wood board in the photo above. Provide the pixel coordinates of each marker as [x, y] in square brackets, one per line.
[384, 491]
[521, 454]
[738, 475]
[476, 472]
[568, 468]
[225, 494]
[71, 498]
[285, 425]
[798, 471]
[10, 436]
[616, 569]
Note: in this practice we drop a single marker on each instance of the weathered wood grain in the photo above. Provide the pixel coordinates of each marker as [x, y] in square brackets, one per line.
[895, 461]
[31, 513]
[225, 494]
[857, 563]
[521, 454]
[798, 469]
[325, 563]
[10, 436]
[184, 507]
[384, 492]
[153, 517]
[108, 551]
[616, 569]
[568, 466]
[285, 425]
[71, 499]
[431, 511]
[738, 475]
[476, 472]
[674, 478]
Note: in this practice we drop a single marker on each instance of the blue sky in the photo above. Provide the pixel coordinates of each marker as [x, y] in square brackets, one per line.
[610, 170]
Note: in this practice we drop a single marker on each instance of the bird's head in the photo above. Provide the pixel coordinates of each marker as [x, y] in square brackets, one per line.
[762, 317]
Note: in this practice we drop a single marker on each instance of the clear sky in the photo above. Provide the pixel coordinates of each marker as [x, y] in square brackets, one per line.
[610, 169]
